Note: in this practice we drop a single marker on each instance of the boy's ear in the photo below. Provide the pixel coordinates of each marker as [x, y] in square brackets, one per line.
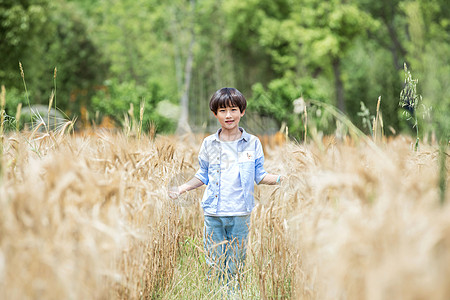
[243, 113]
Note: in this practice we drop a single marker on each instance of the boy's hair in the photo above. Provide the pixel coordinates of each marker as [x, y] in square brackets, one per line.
[227, 97]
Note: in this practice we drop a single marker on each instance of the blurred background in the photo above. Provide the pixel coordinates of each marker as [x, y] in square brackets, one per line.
[104, 59]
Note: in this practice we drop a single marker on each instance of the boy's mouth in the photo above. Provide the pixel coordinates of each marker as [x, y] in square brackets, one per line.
[229, 121]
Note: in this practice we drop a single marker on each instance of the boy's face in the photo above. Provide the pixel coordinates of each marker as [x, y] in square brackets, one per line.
[229, 117]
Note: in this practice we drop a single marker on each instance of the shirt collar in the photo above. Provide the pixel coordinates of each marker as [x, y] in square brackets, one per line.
[245, 136]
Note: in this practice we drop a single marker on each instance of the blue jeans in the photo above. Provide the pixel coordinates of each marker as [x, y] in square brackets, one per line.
[225, 240]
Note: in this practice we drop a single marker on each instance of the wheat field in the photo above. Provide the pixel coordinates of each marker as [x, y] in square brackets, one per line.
[87, 216]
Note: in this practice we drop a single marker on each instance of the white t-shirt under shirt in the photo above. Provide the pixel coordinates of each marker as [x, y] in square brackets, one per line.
[231, 201]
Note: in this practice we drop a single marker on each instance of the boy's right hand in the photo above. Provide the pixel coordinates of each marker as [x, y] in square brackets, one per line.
[174, 192]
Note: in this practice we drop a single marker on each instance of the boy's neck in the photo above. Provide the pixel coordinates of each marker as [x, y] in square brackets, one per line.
[230, 135]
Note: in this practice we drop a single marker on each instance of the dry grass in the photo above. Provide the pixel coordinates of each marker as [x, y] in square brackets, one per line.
[87, 217]
[366, 222]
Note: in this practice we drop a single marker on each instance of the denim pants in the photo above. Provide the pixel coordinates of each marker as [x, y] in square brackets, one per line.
[225, 240]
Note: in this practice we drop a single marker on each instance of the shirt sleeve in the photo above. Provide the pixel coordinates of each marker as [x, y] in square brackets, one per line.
[259, 162]
[203, 161]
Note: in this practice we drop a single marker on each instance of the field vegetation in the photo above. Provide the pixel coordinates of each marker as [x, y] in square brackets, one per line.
[87, 216]
[103, 107]
[172, 55]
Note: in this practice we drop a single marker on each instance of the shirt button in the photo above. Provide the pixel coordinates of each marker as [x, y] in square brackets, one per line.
[216, 196]
[217, 183]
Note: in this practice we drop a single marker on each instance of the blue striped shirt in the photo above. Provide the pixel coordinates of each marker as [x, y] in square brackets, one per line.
[251, 170]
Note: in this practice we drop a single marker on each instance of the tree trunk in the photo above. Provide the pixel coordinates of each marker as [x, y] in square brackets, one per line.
[396, 48]
[338, 85]
[183, 122]
[175, 32]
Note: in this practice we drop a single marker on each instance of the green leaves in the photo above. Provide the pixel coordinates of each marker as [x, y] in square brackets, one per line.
[117, 98]
[284, 49]
[44, 35]
[331, 29]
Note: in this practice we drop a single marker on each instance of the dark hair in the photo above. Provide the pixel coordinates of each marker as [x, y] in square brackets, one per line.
[227, 97]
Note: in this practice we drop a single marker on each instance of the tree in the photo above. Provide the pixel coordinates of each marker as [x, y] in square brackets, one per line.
[308, 34]
[81, 66]
[43, 35]
[184, 79]
[390, 15]
[24, 31]
[328, 30]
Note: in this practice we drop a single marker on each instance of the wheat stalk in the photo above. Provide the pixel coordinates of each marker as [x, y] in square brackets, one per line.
[50, 102]
[2, 113]
[22, 74]
[18, 114]
[2, 120]
[90, 218]
[141, 117]
[306, 123]
[54, 93]
[375, 121]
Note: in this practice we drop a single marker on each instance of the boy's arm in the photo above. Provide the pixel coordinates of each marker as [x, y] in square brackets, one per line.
[200, 178]
[190, 185]
[176, 191]
[271, 179]
[261, 176]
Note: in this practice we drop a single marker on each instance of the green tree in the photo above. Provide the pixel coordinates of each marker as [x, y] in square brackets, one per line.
[121, 101]
[311, 35]
[329, 29]
[391, 34]
[44, 35]
[81, 66]
[147, 42]
[24, 28]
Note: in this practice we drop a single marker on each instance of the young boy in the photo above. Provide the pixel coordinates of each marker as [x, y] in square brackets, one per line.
[230, 160]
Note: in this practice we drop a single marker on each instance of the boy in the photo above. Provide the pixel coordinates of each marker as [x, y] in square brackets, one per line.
[230, 161]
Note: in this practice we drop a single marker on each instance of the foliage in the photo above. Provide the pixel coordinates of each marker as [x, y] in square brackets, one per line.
[22, 24]
[117, 99]
[277, 101]
[369, 73]
[42, 35]
[79, 60]
[366, 117]
[409, 101]
[352, 52]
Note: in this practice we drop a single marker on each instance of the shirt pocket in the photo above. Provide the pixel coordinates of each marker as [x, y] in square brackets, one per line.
[246, 166]
[246, 157]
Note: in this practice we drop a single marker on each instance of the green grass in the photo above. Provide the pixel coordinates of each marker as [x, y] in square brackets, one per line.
[191, 280]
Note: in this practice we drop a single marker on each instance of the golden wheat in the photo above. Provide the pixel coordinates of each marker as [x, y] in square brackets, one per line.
[88, 217]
